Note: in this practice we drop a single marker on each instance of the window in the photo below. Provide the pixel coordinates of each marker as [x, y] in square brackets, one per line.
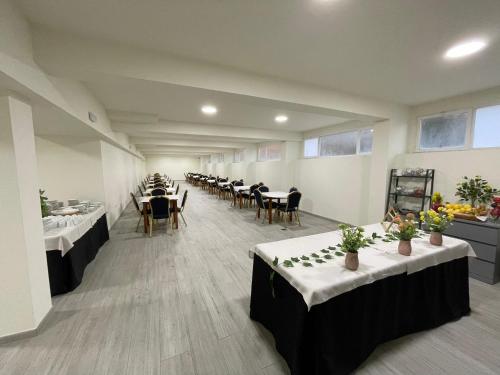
[348, 143]
[487, 127]
[444, 131]
[269, 151]
[365, 141]
[311, 148]
[217, 158]
[238, 156]
[338, 144]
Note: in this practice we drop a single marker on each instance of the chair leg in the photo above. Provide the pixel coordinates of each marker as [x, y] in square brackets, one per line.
[150, 227]
[138, 222]
[182, 217]
[298, 218]
[257, 213]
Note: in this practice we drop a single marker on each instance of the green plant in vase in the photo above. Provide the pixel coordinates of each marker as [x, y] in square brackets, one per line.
[436, 222]
[353, 239]
[43, 204]
[475, 190]
[406, 230]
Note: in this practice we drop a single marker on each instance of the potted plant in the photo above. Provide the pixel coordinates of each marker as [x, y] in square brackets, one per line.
[437, 222]
[43, 204]
[406, 230]
[475, 190]
[352, 240]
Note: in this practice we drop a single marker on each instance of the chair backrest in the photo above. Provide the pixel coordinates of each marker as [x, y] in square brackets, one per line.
[222, 180]
[231, 189]
[238, 183]
[140, 190]
[159, 185]
[293, 201]
[177, 190]
[173, 183]
[253, 187]
[135, 202]
[292, 189]
[184, 198]
[263, 189]
[158, 191]
[144, 185]
[160, 207]
[260, 184]
[258, 198]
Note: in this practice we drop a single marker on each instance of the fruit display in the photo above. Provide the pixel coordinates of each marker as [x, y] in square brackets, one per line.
[465, 210]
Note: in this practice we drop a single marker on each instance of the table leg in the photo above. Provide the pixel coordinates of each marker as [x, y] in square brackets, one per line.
[241, 201]
[270, 210]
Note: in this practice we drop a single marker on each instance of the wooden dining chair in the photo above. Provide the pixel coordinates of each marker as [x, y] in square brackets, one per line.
[139, 211]
[261, 204]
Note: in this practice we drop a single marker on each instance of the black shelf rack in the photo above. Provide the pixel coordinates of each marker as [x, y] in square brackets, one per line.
[426, 182]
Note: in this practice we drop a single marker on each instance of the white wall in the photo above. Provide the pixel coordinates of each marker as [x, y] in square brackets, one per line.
[173, 166]
[122, 172]
[451, 166]
[15, 35]
[70, 168]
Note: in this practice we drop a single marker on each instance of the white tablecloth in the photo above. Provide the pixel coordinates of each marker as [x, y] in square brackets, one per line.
[241, 188]
[63, 238]
[323, 281]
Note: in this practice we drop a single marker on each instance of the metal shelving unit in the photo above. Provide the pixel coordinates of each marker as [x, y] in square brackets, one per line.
[393, 196]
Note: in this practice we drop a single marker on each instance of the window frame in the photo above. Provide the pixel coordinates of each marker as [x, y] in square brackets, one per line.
[304, 148]
[240, 153]
[468, 131]
[358, 144]
[266, 145]
[473, 129]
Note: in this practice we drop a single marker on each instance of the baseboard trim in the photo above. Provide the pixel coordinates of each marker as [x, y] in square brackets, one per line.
[321, 217]
[25, 334]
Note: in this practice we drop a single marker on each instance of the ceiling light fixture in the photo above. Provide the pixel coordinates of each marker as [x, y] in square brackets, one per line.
[465, 49]
[209, 109]
[281, 119]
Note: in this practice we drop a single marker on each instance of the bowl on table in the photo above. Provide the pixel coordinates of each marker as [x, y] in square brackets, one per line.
[73, 202]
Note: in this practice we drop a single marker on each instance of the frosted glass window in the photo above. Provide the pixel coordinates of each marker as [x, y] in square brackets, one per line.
[270, 151]
[338, 144]
[365, 141]
[444, 131]
[311, 148]
[487, 127]
[238, 156]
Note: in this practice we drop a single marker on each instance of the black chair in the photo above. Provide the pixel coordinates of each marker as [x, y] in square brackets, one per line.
[177, 190]
[292, 205]
[139, 211]
[144, 186]
[234, 194]
[238, 183]
[248, 196]
[140, 190]
[261, 204]
[292, 189]
[180, 209]
[160, 209]
[158, 191]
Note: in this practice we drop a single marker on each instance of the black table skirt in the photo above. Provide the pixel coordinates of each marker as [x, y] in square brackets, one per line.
[335, 337]
[66, 273]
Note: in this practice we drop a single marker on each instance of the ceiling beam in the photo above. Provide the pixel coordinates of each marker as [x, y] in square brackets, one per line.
[187, 142]
[166, 128]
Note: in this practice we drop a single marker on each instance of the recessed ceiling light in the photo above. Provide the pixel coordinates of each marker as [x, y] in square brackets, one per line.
[281, 119]
[465, 49]
[209, 109]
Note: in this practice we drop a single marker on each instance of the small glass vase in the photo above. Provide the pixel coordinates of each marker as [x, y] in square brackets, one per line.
[404, 247]
[436, 238]
[351, 261]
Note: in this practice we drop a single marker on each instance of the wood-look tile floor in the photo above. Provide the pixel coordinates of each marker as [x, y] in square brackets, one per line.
[178, 303]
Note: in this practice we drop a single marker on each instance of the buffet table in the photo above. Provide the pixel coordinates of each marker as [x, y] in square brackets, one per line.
[327, 320]
[69, 250]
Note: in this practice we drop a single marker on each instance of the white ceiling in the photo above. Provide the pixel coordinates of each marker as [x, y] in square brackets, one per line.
[390, 49]
[183, 104]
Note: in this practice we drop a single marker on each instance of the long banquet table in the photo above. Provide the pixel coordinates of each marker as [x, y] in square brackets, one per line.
[69, 250]
[327, 320]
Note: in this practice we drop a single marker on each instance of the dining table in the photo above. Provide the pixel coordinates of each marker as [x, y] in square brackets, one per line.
[327, 319]
[239, 190]
[173, 199]
[270, 195]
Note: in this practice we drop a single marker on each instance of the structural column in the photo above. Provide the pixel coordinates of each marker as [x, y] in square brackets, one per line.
[24, 285]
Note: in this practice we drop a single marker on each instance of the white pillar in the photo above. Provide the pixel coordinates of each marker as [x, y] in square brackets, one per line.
[24, 285]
